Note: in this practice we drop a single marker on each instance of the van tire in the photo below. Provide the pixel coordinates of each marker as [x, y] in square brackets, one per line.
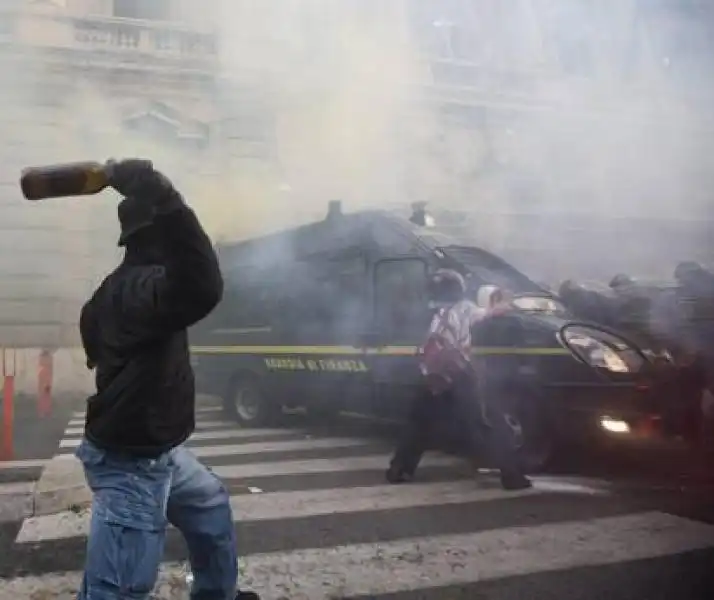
[246, 403]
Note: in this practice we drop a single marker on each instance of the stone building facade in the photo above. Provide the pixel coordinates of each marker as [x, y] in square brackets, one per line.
[574, 136]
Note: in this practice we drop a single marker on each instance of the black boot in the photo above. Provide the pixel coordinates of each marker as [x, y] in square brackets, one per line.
[397, 475]
[247, 596]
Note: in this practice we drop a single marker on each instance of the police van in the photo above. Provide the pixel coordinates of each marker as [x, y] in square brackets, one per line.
[328, 316]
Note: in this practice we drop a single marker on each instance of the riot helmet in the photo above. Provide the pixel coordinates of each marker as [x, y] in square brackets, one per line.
[447, 285]
[620, 281]
[686, 270]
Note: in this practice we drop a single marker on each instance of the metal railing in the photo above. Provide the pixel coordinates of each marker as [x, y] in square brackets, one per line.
[90, 33]
[141, 36]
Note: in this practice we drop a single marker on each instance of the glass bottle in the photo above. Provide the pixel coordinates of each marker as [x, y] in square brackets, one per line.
[68, 179]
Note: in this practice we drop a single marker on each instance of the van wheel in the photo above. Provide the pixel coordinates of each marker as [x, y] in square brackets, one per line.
[246, 403]
[534, 440]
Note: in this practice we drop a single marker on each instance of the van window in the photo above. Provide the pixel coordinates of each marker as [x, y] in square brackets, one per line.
[247, 305]
[307, 307]
[401, 299]
[329, 293]
[350, 284]
[251, 298]
[341, 279]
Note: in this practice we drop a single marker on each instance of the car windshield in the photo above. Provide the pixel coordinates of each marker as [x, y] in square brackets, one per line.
[539, 304]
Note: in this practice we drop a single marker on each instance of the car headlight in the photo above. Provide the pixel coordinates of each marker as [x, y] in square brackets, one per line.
[595, 352]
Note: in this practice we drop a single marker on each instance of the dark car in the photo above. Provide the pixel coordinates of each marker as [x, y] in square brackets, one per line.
[650, 313]
[581, 378]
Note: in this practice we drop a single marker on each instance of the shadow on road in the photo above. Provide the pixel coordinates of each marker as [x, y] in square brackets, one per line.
[665, 465]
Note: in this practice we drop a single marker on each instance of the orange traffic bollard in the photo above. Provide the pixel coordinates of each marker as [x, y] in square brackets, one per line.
[44, 383]
[8, 404]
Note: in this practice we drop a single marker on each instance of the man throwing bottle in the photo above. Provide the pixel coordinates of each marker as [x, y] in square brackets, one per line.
[134, 333]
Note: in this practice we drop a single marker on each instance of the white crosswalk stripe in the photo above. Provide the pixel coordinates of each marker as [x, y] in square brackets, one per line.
[200, 410]
[76, 426]
[414, 564]
[27, 463]
[293, 505]
[318, 465]
[221, 434]
[319, 522]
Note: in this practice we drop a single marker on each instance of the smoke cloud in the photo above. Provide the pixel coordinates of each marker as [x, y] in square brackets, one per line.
[583, 120]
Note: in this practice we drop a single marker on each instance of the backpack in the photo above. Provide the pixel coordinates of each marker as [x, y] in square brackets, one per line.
[441, 361]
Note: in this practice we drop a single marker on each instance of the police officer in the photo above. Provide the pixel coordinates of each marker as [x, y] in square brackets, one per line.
[452, 388]
[632, 304]
[498, 391]
[621, 283]
[587, 303]
[695, 305]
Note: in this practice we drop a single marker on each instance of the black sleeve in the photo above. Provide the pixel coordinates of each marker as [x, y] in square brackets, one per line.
[89, 332]
[184, 290]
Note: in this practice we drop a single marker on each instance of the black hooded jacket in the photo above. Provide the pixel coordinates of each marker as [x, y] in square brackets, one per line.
[134, 331]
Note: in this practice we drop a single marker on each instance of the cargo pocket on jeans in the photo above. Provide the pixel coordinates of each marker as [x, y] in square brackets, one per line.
[126, 545]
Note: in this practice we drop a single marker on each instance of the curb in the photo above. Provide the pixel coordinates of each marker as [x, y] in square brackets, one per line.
[60, 488]
[17, 501]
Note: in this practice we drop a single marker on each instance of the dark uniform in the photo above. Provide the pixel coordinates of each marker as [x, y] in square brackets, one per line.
[472, 398]
[588, 304]
[695, 305]
[499, 392]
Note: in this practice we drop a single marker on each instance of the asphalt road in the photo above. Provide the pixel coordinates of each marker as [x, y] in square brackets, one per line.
[34, 440]
[37, 437]
[315, 520]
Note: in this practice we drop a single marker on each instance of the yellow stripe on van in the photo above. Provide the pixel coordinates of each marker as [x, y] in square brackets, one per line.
[490, 350]
[321, 350]
[381, 351]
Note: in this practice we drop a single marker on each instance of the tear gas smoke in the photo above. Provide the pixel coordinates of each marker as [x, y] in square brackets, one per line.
[586, 112]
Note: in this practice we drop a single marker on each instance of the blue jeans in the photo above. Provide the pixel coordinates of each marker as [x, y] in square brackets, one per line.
[133, 501]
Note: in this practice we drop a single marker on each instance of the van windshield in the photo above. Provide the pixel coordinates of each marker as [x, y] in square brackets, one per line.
[488, 268]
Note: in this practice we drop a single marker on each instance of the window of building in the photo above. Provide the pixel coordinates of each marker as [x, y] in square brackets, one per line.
[516, 36]
[250, 135]
[155, 126]
[681, 39]
[486, 33]
[153, 10]
[451, 29]
[567, 29]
